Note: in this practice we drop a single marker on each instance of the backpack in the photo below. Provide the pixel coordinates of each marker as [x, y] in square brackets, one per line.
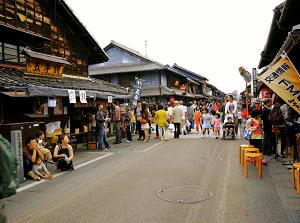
[9, 181]
[275, 116]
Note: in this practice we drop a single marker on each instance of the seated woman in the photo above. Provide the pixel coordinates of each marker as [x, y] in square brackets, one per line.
[63, 154]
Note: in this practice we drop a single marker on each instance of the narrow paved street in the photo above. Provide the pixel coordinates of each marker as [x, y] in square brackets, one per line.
[184, 180]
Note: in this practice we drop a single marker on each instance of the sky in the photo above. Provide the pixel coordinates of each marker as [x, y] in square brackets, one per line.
[210, 37]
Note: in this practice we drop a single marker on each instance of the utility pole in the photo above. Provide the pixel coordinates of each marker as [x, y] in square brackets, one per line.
[146, 48]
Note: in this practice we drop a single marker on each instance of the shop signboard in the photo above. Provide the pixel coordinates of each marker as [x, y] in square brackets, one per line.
[284, 80]
[45, 68]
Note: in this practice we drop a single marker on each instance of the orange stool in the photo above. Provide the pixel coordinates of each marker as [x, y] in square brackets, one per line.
[297, 166]
[241, 149]
[248, 150]
[258, 158]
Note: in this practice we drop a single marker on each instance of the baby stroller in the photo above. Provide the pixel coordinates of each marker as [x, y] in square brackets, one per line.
[228, 129]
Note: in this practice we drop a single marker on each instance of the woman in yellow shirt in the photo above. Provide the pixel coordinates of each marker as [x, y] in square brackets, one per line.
[161, 116]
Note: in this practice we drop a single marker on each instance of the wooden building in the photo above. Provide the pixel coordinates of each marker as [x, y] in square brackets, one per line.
[45, 51]
[161, 82]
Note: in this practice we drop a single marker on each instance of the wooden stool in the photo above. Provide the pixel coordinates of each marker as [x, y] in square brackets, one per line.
[297, 185]
[257, 157]
[248, 150]
[240, 151]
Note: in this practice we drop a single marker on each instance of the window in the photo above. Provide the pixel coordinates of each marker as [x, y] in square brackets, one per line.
[10, 53]
[10, 11]
[21, 15]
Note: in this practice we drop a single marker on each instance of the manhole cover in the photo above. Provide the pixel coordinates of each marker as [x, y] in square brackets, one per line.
[184, 194]
[201, 159]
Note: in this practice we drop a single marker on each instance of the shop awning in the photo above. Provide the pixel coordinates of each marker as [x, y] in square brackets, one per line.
[284, 80]
[34, 91]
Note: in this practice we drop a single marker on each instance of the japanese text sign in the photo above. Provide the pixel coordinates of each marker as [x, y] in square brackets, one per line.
[137, 91]
[46, 68]
[284, 80]
[82, 95]
[72, 96]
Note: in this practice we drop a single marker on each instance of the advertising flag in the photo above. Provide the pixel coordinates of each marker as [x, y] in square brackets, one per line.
[284, 80]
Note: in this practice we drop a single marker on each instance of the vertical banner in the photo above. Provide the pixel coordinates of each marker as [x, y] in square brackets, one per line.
[137, 90]
[284, 80]
[72, 96]
[82, 95]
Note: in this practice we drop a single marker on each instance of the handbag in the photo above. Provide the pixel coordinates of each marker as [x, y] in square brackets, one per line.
[188, 123]
[171, 127]
[247, 134]
[143, 120]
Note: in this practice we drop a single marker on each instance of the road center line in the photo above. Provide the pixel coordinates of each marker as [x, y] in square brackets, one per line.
[59, 174]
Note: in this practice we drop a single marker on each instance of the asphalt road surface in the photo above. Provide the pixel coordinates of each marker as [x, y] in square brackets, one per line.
[183, 180]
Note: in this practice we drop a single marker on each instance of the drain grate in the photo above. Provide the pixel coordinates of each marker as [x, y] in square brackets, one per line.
[184, 194]
[201, 159]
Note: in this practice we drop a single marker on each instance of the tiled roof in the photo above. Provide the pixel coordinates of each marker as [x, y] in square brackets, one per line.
[14, 79]
[189, 73]
[156, 91]
[162, 90]
[131, 51]
[179, 92]
[46, 57]
[123, 68]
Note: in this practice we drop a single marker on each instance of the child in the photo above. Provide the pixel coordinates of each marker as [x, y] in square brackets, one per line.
[228, 128]
[161, 117]
[212, 121]
[217, 125]
[39, 170]
[41, 144]
[254, 124]
[198, 121]
[127, 123]
[206, 122]
[239, 116]
[133, 121]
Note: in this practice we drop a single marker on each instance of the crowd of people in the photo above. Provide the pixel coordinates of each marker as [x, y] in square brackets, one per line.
[208, 119]
[178, 117]
[266, 121]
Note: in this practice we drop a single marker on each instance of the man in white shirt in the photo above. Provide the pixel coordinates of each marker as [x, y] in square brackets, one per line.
[231, 111]
[183, 117]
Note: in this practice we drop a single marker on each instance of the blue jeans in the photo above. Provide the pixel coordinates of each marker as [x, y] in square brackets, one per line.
[118, 131]
[93, 133]
[101, 137]
[27, 166]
